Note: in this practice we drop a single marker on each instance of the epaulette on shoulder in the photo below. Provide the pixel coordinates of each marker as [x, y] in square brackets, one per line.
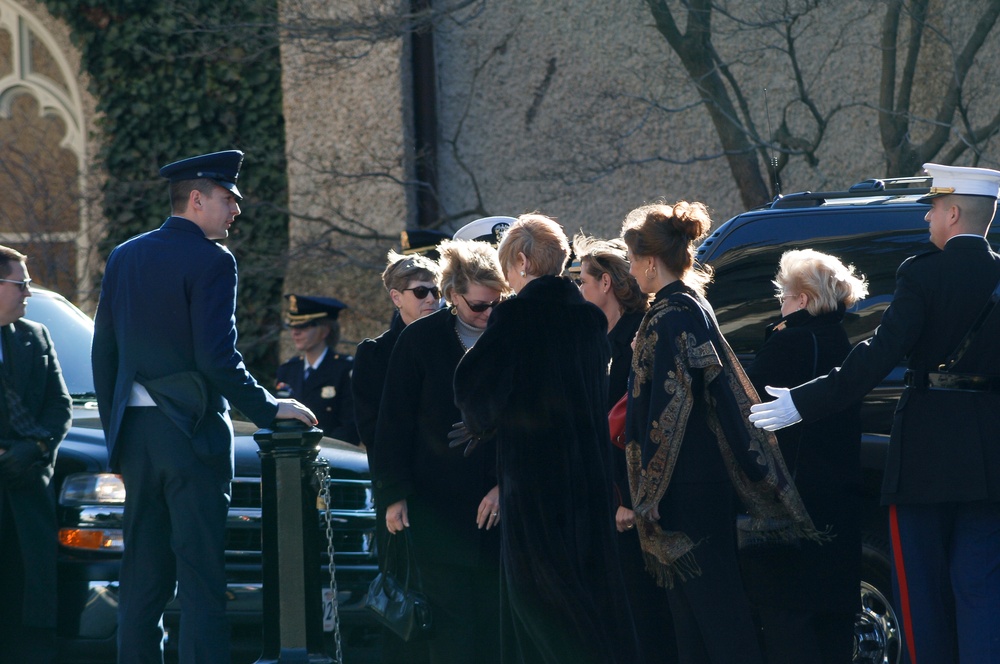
[924, 254]
[934, 251]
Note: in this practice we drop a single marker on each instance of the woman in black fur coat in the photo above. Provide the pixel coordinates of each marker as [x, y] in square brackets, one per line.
[536, 383]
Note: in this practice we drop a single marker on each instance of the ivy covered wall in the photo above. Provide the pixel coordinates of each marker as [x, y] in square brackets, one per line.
[176, 78]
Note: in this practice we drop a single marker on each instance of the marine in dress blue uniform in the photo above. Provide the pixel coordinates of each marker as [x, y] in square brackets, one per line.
[942, 475]
[166, 369]
[319, 376]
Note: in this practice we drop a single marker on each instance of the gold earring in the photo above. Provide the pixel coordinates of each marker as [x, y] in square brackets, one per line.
[522, 273]
[453, 309]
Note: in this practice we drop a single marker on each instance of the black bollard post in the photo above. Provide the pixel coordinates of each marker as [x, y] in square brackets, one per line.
[290, 546]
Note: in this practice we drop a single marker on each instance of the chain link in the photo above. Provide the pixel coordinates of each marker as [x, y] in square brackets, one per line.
[323, 477]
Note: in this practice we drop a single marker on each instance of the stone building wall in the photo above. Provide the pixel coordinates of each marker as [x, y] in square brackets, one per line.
[582, 111]
[345, 138]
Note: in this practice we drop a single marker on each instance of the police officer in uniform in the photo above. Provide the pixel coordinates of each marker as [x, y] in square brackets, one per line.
[942, 475]
[319, 377]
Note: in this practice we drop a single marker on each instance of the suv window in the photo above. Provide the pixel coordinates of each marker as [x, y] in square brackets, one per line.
[72, 332]
[744, 252]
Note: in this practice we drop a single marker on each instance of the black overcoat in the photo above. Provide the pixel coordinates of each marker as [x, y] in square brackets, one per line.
[371, 362]
[31, 368]
[620, 337]
[413, 460]
[537, 381]
[824, 457]
[326, 392]
[943, 443]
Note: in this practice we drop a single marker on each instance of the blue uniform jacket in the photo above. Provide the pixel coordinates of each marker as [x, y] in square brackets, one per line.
[168, 303]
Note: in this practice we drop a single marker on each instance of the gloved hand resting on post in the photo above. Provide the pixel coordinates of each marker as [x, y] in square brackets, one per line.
[776, 414]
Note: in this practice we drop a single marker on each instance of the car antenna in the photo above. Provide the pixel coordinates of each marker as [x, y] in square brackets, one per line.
[774, 159]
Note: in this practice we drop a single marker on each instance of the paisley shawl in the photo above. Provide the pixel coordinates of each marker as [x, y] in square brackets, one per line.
[679, 335]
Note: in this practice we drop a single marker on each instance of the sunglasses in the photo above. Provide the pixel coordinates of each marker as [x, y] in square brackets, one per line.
[480, 307]
[420, 292]
[23, 285]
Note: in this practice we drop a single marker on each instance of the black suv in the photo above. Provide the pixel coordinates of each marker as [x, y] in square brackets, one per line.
[90, 504]
[874, 225]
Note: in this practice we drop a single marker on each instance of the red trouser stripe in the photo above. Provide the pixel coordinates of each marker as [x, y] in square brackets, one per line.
[904, 590]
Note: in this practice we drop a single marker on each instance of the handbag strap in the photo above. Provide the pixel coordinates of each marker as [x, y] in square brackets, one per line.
[971, 334]
[392, 556]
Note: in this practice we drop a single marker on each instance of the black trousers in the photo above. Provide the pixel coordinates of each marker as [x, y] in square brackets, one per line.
[19, 643]
[175, 520]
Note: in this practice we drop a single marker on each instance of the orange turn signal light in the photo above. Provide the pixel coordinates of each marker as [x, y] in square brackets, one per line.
[92, 540]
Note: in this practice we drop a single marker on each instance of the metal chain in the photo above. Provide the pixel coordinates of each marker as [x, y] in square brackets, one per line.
[323, 476]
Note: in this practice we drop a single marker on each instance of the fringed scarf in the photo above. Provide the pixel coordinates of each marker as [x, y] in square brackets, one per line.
[751, 456]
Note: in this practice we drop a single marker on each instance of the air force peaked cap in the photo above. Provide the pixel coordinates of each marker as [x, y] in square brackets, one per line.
[422, 241]
[486, 229]
[962, 180]
[306, 309]
[222, 168]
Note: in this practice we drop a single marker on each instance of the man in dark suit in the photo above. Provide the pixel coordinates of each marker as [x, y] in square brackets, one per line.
[319, 376]
[942, 476]
[166, 369]
[35, 414]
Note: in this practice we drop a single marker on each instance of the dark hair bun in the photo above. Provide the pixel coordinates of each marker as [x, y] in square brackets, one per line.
[691, 219]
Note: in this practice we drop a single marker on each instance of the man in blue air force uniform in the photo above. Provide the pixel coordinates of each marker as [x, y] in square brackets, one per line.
[166, 369]
[942, 475]
[319, 376]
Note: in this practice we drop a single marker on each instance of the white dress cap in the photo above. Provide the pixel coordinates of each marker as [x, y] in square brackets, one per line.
[963, 180]
[486, 229]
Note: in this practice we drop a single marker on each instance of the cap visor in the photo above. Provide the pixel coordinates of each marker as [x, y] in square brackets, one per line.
[231, 186]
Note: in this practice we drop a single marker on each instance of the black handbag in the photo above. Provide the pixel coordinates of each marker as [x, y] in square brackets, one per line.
[392, 600]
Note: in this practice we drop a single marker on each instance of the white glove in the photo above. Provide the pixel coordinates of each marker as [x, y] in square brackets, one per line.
[776, 414]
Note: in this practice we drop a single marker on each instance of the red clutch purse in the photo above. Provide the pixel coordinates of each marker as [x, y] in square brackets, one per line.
[616, 422]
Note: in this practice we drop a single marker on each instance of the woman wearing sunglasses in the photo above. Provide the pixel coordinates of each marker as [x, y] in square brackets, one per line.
[413, 285]
[450, 501]
[537, 385]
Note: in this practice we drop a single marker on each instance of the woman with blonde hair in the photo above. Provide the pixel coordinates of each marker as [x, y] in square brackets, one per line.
[536, 384]
[449, 501]
[807, 597]
[690, 450]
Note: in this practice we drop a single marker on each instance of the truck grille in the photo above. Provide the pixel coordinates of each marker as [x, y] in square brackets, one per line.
[353, 519]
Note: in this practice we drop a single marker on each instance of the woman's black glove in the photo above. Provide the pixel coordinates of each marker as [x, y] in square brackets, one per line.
[18, 459]
[460, 435]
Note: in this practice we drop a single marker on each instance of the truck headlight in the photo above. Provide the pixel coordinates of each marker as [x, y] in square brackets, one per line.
[81, 489]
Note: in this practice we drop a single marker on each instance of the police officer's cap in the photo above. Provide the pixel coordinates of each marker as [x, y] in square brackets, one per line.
[961, 180]
[422, 241]
[222, 168]
[304, 310]
[486, 229]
